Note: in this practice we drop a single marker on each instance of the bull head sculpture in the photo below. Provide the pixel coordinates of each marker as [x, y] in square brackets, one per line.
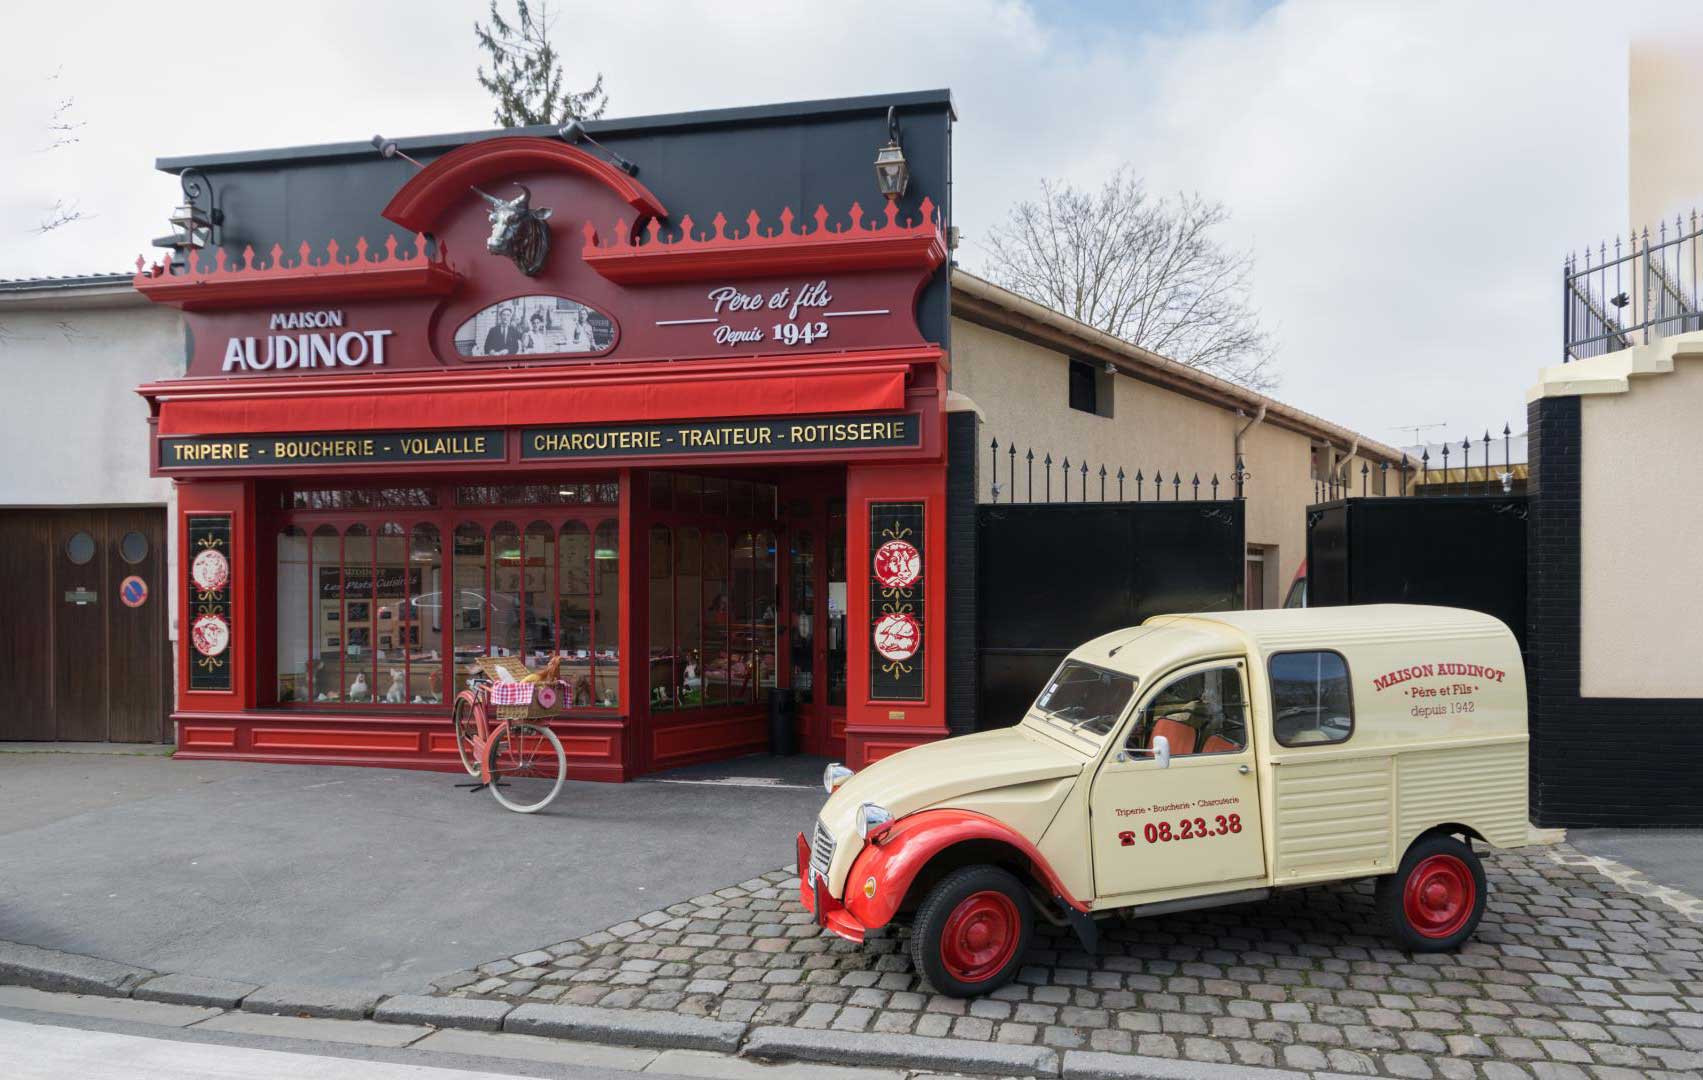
[518, 231]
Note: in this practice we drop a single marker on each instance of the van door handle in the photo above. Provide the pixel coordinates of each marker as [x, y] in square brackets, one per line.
[1243, 770]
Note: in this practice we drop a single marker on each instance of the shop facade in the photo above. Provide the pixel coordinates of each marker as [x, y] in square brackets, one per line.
[682, 426]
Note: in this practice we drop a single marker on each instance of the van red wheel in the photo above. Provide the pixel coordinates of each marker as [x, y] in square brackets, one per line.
[980, 936]
[1433, 902]
[971, 931]
[1439, 896]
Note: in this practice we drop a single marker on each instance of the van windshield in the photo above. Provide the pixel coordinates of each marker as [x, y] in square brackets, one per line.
[1086, 698]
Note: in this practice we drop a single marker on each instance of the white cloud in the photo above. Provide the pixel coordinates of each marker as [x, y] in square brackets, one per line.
[1408, 175]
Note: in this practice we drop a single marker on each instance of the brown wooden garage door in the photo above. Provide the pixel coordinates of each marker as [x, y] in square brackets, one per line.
[80, 663]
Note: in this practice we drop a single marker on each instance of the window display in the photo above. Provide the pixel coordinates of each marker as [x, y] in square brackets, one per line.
[368, 616]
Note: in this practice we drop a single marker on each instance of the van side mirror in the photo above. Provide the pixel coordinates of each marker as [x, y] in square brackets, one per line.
[1162, 751]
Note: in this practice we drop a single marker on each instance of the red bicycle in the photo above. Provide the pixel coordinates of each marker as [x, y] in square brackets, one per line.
[521, 762]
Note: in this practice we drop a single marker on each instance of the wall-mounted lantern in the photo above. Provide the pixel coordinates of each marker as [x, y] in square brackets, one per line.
[195, 226]
[892, 172]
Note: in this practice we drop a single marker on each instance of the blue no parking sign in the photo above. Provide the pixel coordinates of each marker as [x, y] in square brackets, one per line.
[133, 591]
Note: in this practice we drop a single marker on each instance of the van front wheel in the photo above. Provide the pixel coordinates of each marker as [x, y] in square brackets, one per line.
[1433, 902]
[972, 930]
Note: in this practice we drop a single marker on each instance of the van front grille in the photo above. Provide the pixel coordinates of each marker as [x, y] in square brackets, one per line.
[821, 852]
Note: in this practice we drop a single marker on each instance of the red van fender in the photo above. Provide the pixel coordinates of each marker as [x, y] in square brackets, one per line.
[896, 857]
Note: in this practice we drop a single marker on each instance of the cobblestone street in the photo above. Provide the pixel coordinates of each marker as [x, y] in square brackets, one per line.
[1580, 968]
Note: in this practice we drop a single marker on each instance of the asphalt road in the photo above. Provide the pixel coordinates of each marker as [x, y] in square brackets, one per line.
[1671, 857]
[358, 877]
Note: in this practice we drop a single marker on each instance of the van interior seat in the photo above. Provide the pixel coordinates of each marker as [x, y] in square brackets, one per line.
[1218, 744]
[1178, 734]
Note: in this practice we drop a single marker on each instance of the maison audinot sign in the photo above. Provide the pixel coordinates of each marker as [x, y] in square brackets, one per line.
[303, 340]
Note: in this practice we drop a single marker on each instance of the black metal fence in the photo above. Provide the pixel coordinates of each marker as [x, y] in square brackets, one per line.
[1643, 287]
[1428, 475]
[1047, 479]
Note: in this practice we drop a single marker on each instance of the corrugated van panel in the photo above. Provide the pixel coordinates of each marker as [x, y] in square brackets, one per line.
[1333, 817]
[1480, 786]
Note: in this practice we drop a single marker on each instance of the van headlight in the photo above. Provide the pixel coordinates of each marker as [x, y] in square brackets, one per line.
[872, 819]
[833, 776]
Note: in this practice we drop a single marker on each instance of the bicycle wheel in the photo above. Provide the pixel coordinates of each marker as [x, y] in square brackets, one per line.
[527, 767]
[465, 719]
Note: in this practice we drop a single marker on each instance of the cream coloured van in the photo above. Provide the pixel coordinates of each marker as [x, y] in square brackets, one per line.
[1194, 761]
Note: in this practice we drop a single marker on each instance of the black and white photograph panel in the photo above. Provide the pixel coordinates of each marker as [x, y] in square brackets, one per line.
[535, 326]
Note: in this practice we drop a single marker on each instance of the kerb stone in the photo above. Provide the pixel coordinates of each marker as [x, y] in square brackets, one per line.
[904, 1051]
[50, 969]
[311, 1001]
[475, 1014]
[628, 1027]
[1093, 1065]
[194, 990]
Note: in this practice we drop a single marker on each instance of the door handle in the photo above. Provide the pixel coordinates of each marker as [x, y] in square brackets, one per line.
[1243, 770]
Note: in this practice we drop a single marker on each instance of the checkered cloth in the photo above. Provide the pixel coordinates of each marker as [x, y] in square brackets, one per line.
[519, 693]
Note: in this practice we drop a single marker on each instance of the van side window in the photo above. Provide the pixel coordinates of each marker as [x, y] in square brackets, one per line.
[1201, 713]
[1312, 703]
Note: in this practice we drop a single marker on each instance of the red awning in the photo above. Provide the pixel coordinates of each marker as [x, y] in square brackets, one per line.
[244, 407]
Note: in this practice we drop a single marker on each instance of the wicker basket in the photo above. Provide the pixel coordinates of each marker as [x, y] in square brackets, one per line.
[533, 710]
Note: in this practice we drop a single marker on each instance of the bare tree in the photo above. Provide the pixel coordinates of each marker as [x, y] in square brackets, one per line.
[525, 76]
[62, 130]
[1144, 269]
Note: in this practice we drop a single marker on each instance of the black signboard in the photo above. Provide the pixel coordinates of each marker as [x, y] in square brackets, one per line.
[330, 448]
[356, 582]
[898, 629]
[795, 433]
[212, 620]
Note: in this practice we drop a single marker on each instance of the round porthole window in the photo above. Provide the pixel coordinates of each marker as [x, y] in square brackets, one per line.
[134, 547]
[80, 548]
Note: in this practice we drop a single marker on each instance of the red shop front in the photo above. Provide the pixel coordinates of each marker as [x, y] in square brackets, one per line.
[701, 464]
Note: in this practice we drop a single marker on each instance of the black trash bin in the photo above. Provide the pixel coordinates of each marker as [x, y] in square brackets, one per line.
[783, 730]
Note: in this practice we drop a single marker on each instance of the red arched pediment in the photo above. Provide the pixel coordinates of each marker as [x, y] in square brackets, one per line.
[423, 199]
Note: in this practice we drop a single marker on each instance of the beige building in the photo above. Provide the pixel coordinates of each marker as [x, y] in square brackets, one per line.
[1045, 382]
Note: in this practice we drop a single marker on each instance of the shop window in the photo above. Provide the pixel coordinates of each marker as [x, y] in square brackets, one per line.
[470, 608]
[537, 594]
[689, 493]
[661, 491]
[326, 554]
[606, 613]
[836, 579]
[716, 612]
[423, 619]
[742, 620]
[506, 615]
[765, 501]
[715, 496]
[661, 617]
[366, 612]
[803, 612]
[743, 502]
[577, 493]
[1312, 702]
[295, 616]
[387, 498]
[688, 619]
[765, 607]
[391, 570]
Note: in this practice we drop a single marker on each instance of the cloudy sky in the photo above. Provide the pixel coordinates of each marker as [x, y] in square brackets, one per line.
[1408, 175]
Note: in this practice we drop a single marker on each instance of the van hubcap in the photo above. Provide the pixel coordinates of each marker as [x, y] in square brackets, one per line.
[1439, 896]
[980, 936]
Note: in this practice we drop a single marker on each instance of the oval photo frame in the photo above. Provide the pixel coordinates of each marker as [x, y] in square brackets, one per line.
[536, 327]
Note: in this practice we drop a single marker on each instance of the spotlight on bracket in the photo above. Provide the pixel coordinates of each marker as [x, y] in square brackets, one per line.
[573, 132]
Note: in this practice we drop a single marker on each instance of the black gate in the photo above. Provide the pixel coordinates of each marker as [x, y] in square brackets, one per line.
[1051, 576]
[1465, 551]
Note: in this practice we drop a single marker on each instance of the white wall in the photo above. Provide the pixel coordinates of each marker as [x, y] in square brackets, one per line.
[1022, 390]
[75, 433]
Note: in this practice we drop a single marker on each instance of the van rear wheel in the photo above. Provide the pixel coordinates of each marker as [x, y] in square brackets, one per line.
[1433, 902]
[972, 930]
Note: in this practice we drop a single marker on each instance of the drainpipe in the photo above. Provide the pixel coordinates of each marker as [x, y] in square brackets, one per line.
[1348, 468]
[1240, 435]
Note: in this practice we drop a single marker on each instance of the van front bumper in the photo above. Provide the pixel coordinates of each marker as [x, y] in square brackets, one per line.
[814, 895]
